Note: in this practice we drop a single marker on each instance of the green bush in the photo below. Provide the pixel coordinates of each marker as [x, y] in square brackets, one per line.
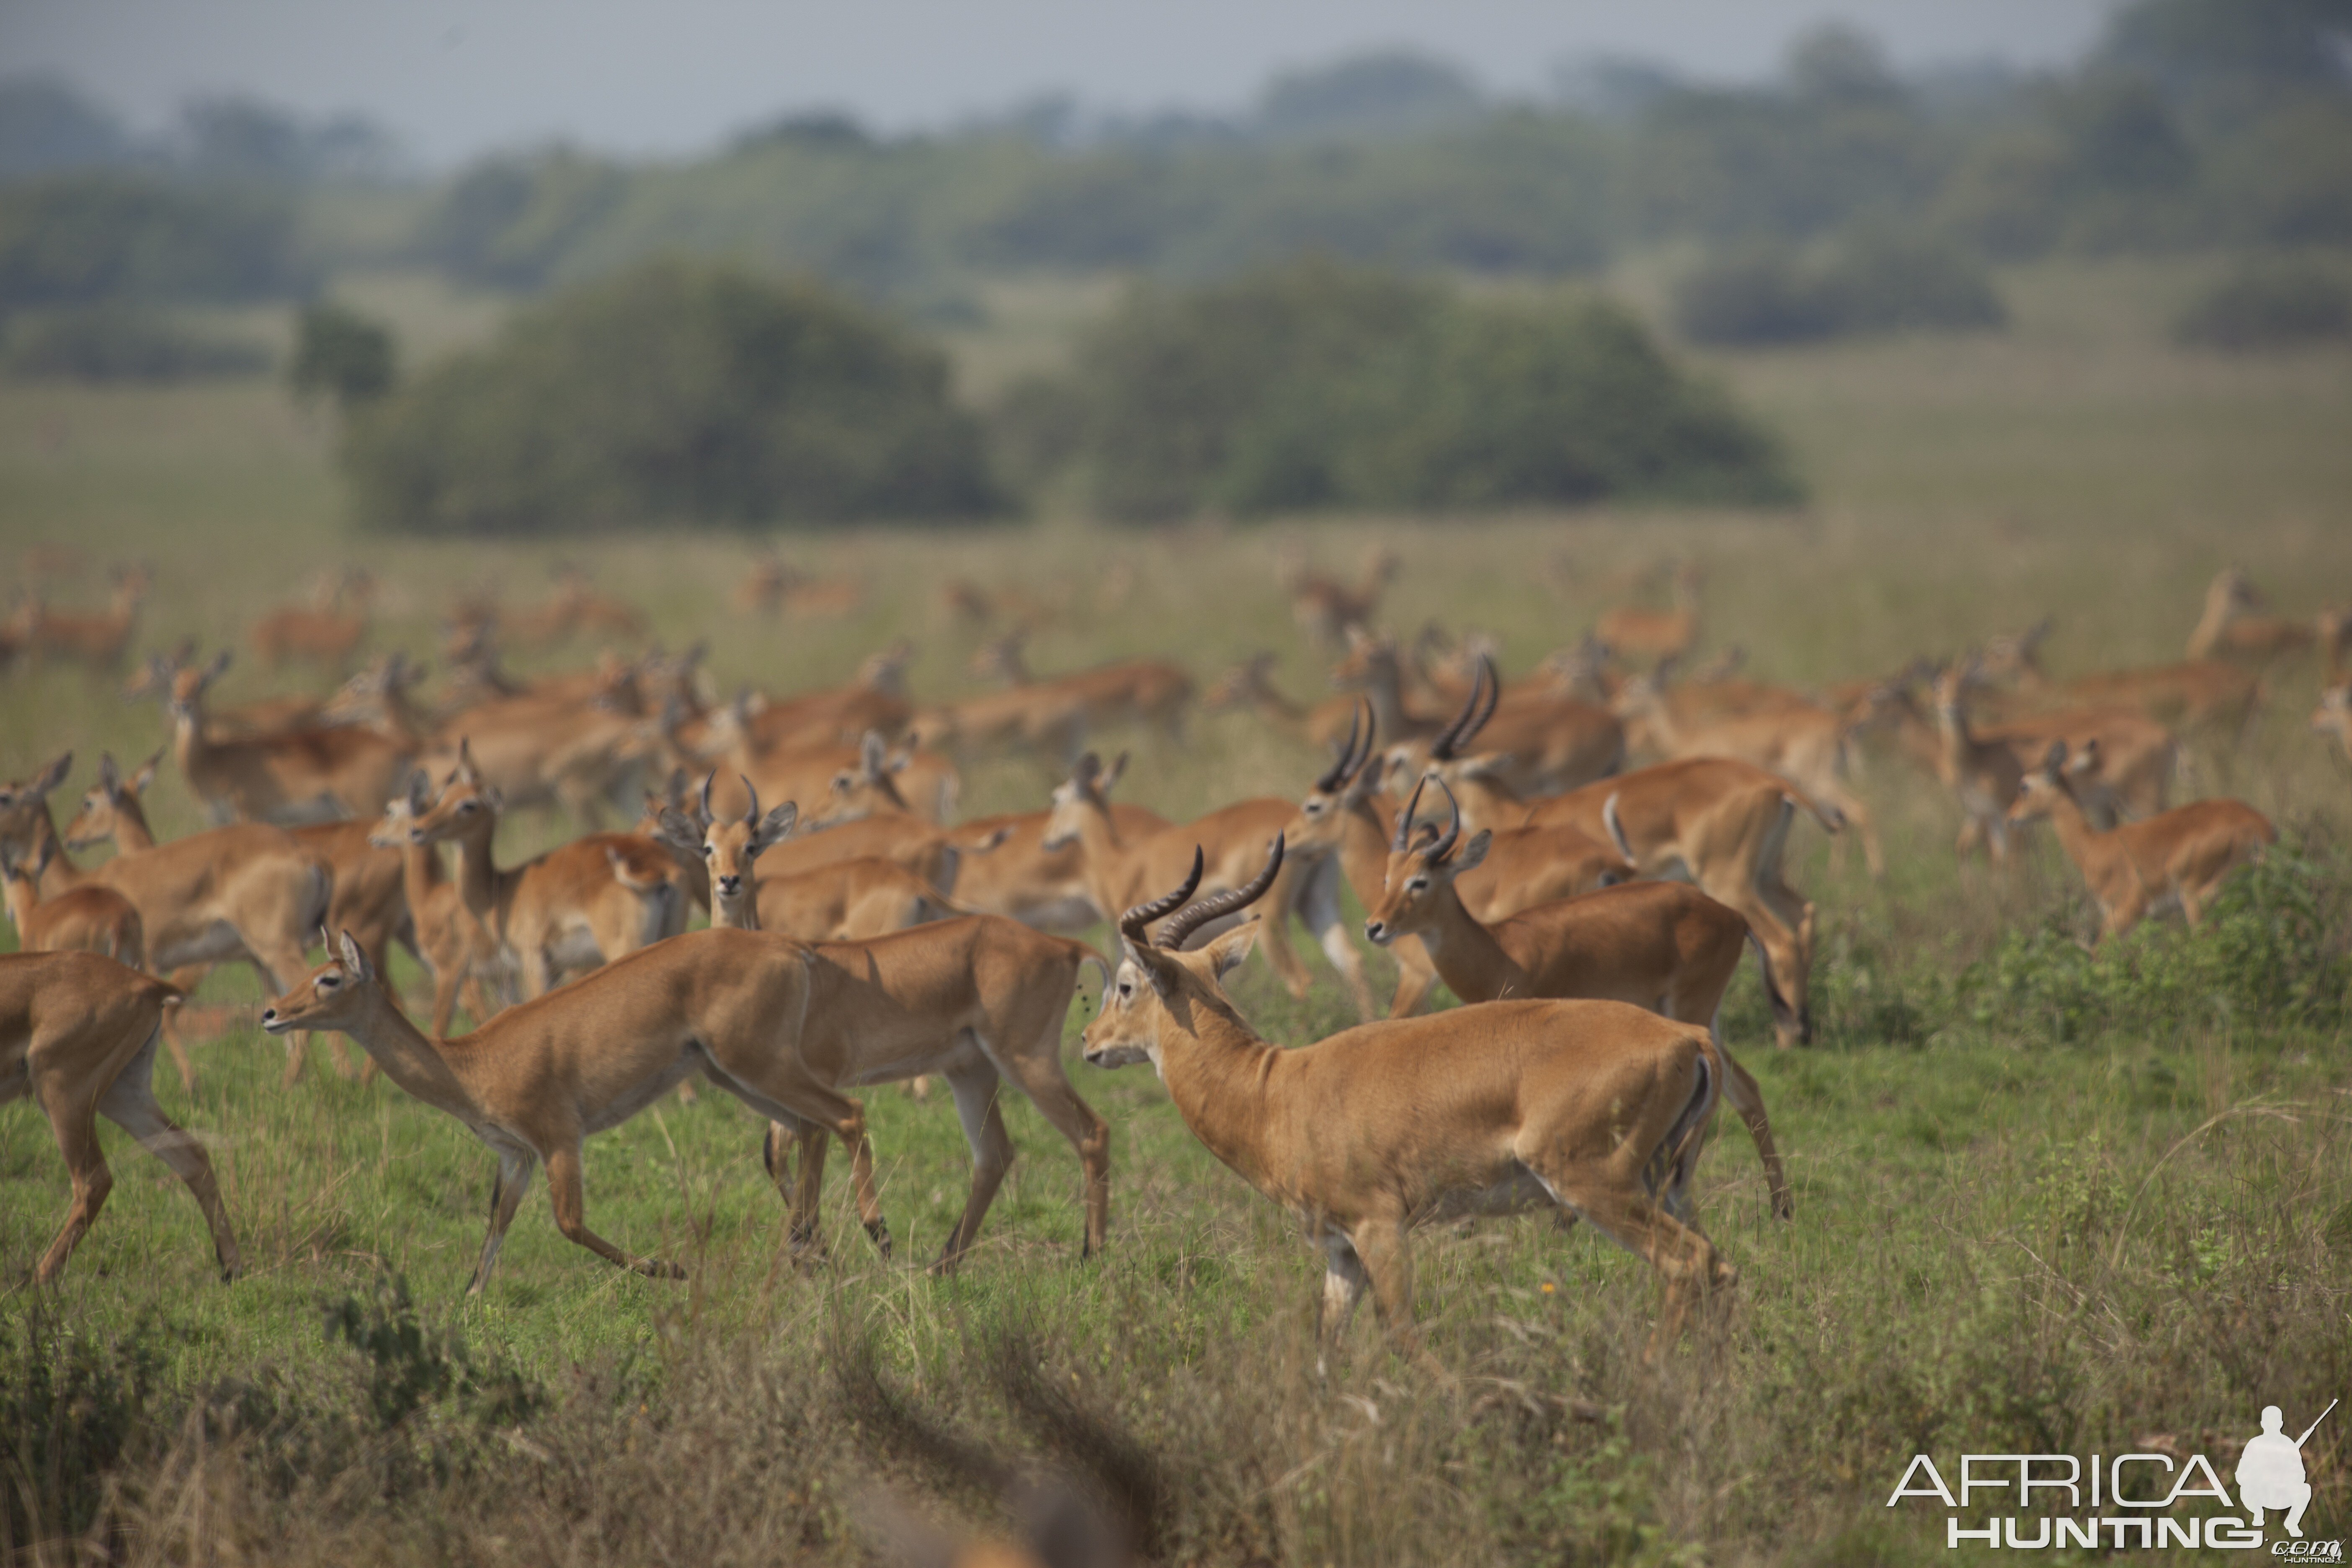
[120, 342]
[1871, 281]
[340, 353]
[2278, 305]
[681, 391]
[1316, 385]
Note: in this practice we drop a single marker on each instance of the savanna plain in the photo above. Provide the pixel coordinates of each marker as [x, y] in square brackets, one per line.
[2045, 1201]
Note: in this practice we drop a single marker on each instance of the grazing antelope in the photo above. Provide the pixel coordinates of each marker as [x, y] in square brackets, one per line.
[1722, 825]
[574, 607]
[534, 1082]
[1140, 691]
[1535, 745]
[2230, 629]
[78, 1035]
[1657, 634]
[574, 908]
[1808, 746]
[1593, 1108]
[151, 681]
[2179, 857]
[1661, 945]
[772, 585]
[244, 893]
[302, 775]
[80, 919]
[2334, 716]
[1326, 609]
[323, 631]
[98, 640]
[1982, 774]
[367, 897]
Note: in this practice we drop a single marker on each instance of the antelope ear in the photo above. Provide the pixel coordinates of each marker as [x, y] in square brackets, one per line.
[673, 829]
[776, 826]
[214, 670]
[1468, 857]
[145, 776]
[52, 775]
[1159, 967]
[1111, 776]
[872, 754]
[2086, 757]
[465, 768]
[1226, 953]
[2055, 757]
[110, 778]
[356, 963]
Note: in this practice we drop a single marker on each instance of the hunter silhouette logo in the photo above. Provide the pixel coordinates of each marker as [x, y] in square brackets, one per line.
[2269, 1472]
[2145, 1502]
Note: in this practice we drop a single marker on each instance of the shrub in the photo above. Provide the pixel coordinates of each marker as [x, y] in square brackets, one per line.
[2278, 305]
[1871, 281]
[1316, 385]
[340, 353]
[122, 343]
[677, 391]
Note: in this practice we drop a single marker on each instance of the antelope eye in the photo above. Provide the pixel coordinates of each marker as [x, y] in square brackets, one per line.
[1126, 990]
[1418, 885]
[706, 852]
[1314, 808]
[465, 806]
[329, 982]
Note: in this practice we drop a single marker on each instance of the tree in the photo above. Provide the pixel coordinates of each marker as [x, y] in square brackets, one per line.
[342, 354]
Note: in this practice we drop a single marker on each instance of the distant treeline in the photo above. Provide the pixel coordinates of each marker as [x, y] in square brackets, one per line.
[2195, 122]
[696, 393]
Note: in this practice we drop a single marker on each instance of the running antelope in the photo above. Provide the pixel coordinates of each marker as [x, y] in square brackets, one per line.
[1596, 1109]
[1722, 825]
[533, 1082]
[78, 1035]
[574, 908]
[2179, 857]
[1661, 945]
[450, 942]
[244, 893]
[302, 775]
[1983, 774]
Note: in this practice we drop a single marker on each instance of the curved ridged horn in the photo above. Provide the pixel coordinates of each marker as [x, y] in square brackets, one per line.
[1131, 924]
[1444, 846]
[751, 813]
[1494, 699]
[1441, 749]
[1404, 839]
[703, 809]
[1344, 763]
[1184, 922]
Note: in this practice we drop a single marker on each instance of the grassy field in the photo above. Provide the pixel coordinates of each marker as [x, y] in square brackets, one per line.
[2045, 1204]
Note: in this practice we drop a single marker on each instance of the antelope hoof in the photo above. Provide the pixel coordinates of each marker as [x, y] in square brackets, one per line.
[880, 1232]
[805, 1243]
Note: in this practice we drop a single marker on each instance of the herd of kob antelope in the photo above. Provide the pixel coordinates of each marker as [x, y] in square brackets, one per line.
[1581, 857]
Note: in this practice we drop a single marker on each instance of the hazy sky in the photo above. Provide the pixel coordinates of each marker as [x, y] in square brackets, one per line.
[453, 79]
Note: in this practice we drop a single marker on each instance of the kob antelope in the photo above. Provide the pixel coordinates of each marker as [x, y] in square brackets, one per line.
[78, 1035]
[1593, 1108]
[2181, 857]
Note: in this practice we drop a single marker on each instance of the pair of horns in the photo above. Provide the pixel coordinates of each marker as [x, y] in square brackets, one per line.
[1362, 724]
[1487, 689]
[1444, 841]
[750, 814]
[1189, 918]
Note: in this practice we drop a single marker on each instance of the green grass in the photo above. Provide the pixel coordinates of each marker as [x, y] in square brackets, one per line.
[2002, 1243]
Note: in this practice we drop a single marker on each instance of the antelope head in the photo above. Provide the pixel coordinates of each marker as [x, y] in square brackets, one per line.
[22, 804]
[869, 786]
[467, 806]
[1421, 867]
[2039, 791]
[109, 802]
[189, 684]
[1086, 789]
[330, 996]
[1158, 988]
[728, 847]
[1321, 819]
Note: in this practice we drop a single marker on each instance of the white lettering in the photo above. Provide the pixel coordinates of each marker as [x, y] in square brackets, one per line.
[2071, 1534]
[2026, 1483]
[1969, 1483]
[2116, 1527]
[2009, 1527]
[1954, 1535]
[2115, 1478]
[2172, 1532]
[1934, 1489]
[2212, 1488]
[2228, 1533]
